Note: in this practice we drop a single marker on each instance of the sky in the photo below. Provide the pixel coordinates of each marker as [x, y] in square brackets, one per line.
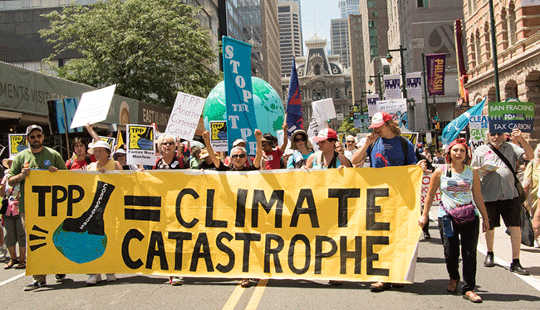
[316, 16]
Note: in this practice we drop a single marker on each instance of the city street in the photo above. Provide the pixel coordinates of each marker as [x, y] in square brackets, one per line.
[499, 288]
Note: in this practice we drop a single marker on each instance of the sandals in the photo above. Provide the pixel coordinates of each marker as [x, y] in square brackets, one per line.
[452, 286]
[380, 286]
[21, 265]
[248, 282]
[472, 297]
[12, 262]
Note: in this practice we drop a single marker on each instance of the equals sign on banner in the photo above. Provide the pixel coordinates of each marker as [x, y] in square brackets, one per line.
[146, 208]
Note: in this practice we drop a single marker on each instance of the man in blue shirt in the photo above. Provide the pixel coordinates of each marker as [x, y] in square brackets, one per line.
[386, 147]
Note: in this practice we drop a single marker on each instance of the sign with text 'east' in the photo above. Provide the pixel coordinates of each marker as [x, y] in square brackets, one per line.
[357, 224]
[505, 116]
[241, 122]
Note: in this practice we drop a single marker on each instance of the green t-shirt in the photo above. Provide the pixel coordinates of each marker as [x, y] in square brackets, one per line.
[42, 160]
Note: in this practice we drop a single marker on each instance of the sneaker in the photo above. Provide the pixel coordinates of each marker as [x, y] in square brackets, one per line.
[111, 277]
[489, 261]
[536, 244]
[93, 279]
[34, 286]
[427, 236]
[176, 281]
[517, 268]
[60, 277]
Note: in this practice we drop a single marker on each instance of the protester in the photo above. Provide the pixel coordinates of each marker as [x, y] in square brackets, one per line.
[302, 149]
[238, 163]
[120, 156]
[241, 143]
[37, 156]
[13, 222]
[272, 155]
[171, 158]
[530, 184]
[327, 156]
[350, 147]
[103, 163]
[499, 190]
[195, 157]
[459, 184]
[80, 158]
[439, 158]
[385, 147]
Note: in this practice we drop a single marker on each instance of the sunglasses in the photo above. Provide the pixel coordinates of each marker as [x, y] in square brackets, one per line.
[239, 156]
[35, 137]
[496, 134]
[299, 139]
[350, 141]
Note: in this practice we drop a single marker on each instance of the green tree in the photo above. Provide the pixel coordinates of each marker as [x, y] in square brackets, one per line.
[150, 48]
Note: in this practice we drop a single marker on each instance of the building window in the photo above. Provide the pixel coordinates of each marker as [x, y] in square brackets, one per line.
[487, 40]
[422, 4]
[512, 23]
[477, 48]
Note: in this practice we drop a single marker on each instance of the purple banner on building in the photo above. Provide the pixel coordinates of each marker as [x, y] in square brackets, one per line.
[436, 64]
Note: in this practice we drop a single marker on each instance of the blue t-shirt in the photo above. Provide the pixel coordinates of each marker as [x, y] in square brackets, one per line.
[389, 152]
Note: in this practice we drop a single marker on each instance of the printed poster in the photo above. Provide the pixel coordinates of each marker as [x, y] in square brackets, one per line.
[505, 116]
[218, 136]
[17, 143]
[140, 145]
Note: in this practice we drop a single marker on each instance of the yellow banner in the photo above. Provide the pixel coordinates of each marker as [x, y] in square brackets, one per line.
[356, 224]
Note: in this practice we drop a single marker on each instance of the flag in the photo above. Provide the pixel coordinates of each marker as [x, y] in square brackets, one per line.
[294, 103]
[119, 140]
[451, 131]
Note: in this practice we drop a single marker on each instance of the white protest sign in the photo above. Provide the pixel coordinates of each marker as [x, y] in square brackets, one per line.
[392, 86]
[93, 107]
[325, 109]
[185, 116]
[414, 86]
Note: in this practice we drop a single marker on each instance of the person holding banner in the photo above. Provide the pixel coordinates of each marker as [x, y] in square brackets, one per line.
[37, 156]
[302, 149]
[239, 158]
[103, 163]
[459, 221]
[272, 156]
[386, 147]
[327, 156]
[497, 163]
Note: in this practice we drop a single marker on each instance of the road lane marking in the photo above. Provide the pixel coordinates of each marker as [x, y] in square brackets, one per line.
[255, 299]
[14, 278]
[234, 298]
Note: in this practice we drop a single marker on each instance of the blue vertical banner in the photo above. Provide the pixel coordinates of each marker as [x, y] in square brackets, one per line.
[61, 111]
[241, 122]
[294, 103]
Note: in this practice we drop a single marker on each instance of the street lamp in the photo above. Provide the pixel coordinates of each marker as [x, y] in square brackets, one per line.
[389, 57]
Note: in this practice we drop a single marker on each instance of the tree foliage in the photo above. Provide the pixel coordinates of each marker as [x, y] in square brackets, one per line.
[150, 48]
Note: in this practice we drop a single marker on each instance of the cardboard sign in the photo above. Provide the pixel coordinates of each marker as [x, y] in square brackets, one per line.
[505, 116]
[140, 145]
[93, 107]
[218, 136]
[185, 116]
[17, 143]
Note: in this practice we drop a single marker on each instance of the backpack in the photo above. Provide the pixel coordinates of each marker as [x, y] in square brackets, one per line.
[404, 149]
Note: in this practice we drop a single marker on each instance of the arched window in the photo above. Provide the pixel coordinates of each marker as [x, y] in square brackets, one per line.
[472, 53]
[477, 48]
[504, 23]
[487, 40]
[317, 69]
[512, 23]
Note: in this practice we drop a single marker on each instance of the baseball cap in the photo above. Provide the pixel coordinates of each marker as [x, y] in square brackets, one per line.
[33, 127]
[325, 134]
[350, 138]
[379, 119]
[99, 143]
[238, 141]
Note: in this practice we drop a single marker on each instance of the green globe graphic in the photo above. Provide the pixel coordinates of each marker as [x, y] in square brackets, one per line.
[268, 107]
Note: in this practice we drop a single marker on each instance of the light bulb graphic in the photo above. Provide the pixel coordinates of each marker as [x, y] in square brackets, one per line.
[83, 239]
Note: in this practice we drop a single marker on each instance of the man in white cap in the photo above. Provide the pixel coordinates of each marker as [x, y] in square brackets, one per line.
[37, 156]
[350, 147]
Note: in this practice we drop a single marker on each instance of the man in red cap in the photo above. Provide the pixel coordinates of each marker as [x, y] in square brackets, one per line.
[327, 157]
[385, 147]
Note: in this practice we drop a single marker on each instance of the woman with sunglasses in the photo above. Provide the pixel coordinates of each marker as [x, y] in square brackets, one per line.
[459, 185]
[327, 157]
[170, 159]
[302, 149]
